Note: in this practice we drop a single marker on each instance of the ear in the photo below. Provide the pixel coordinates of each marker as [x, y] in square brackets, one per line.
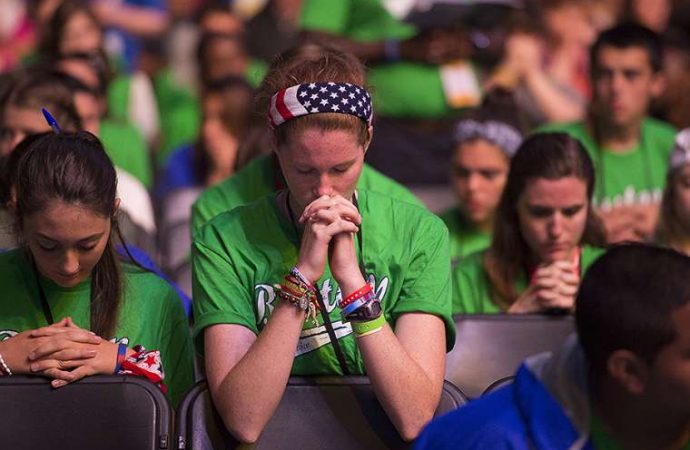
[658, 84]
[628, 370]
[370, 133]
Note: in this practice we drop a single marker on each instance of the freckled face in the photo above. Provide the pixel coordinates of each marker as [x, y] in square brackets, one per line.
[317, 163]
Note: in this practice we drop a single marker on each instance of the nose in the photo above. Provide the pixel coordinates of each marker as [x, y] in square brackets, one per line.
[324, 187]
[69, 265]
[555, 227]
[617, 81]
[473, 182]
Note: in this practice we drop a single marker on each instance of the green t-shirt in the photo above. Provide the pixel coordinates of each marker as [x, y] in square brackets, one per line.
[465, 237]
[179, 113]
[635, 176]
[260, 178]
[472, 291]
[126, 147]
[401, 89]
[242, 254]
[150, 314]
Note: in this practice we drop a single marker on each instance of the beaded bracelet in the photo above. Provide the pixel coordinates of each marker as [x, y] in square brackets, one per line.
[4, 368]
[297, 290]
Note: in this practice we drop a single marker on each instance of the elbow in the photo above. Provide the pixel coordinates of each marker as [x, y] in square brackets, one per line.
[242, 427]
[411, 427]
[245, 435]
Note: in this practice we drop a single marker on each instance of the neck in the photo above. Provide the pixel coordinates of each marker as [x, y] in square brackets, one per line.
[636, 424]
[616, 138]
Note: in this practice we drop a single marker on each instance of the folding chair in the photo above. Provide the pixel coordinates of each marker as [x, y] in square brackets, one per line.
[314, 413]
[489, 347]
[96, 413]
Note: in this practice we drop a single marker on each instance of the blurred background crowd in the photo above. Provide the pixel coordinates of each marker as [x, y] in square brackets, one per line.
[169, 87]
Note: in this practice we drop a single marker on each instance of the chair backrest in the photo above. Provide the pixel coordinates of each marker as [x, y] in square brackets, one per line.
[96, 413]
[490, 347]
[314, 413]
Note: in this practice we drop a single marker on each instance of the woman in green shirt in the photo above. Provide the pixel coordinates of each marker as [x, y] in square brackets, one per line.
[674, 221]
[485, 140]
[545, 234]
[69, 307]
[321, 278]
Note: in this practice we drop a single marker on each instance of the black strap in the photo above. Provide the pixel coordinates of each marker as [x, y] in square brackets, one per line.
[47, 313]
[322, 305]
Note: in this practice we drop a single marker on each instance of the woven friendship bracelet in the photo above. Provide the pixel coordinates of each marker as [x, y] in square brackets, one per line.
[4, 367]
[296, 290]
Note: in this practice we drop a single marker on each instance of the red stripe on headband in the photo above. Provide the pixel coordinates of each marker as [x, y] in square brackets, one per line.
[282, 107]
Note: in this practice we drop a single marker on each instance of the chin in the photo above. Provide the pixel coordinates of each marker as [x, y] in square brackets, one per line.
[68, 282]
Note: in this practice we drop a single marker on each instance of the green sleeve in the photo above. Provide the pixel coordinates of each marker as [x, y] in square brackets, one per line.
[220, 295]
[127, 148]
[471, 293]
[426, 285]
[176, 349]
[325, 15]
[199, 214]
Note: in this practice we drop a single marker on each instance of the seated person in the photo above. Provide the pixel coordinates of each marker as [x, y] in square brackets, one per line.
[66, 279]
[545, 234]
[216, 156]
[349, 302]
[263, 175]
[674, 221]
[625, 386]
[629, 149]
[485, 140]
[74, 108]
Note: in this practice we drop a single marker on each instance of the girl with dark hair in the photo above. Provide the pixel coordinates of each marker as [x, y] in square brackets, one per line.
[322, 278]
[545, 234]
[485, 140]
[65, 279]
[674, 221]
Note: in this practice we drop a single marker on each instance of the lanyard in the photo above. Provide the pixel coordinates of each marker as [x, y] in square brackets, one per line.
[47, 313]
[322, 305]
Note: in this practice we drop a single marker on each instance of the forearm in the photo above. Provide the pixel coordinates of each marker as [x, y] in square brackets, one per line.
[143, 22]
[556, 106]
[245, 405]
[408, 393]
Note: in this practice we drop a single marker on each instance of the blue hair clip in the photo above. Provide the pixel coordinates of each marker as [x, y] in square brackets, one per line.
[51, 121]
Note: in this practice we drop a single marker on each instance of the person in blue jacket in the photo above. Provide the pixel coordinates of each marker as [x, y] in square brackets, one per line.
[624, 384]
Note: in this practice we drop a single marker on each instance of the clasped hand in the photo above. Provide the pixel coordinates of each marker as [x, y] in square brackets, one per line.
[330, 223]
[553, 286]
[62, 351]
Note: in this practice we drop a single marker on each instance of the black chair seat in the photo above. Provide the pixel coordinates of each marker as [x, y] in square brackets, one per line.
[314, 413]
[489, 347]
[96, 413]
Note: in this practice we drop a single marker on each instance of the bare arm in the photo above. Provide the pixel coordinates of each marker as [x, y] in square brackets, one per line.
[406, 369]
[556, 105]
[234, 357]
[140, 21]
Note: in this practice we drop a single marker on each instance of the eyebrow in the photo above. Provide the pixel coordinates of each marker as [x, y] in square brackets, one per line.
[92, 237]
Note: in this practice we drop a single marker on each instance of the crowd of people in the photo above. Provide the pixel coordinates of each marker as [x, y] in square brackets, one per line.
[234, 183]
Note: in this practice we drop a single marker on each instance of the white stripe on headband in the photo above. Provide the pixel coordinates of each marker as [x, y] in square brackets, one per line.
[680, 155]
[313, 98]
[498, 133]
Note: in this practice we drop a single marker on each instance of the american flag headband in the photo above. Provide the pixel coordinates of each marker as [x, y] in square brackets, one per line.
[315, 98]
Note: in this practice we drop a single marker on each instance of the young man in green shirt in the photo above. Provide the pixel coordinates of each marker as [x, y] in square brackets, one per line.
[629, 149]
[623, 384]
